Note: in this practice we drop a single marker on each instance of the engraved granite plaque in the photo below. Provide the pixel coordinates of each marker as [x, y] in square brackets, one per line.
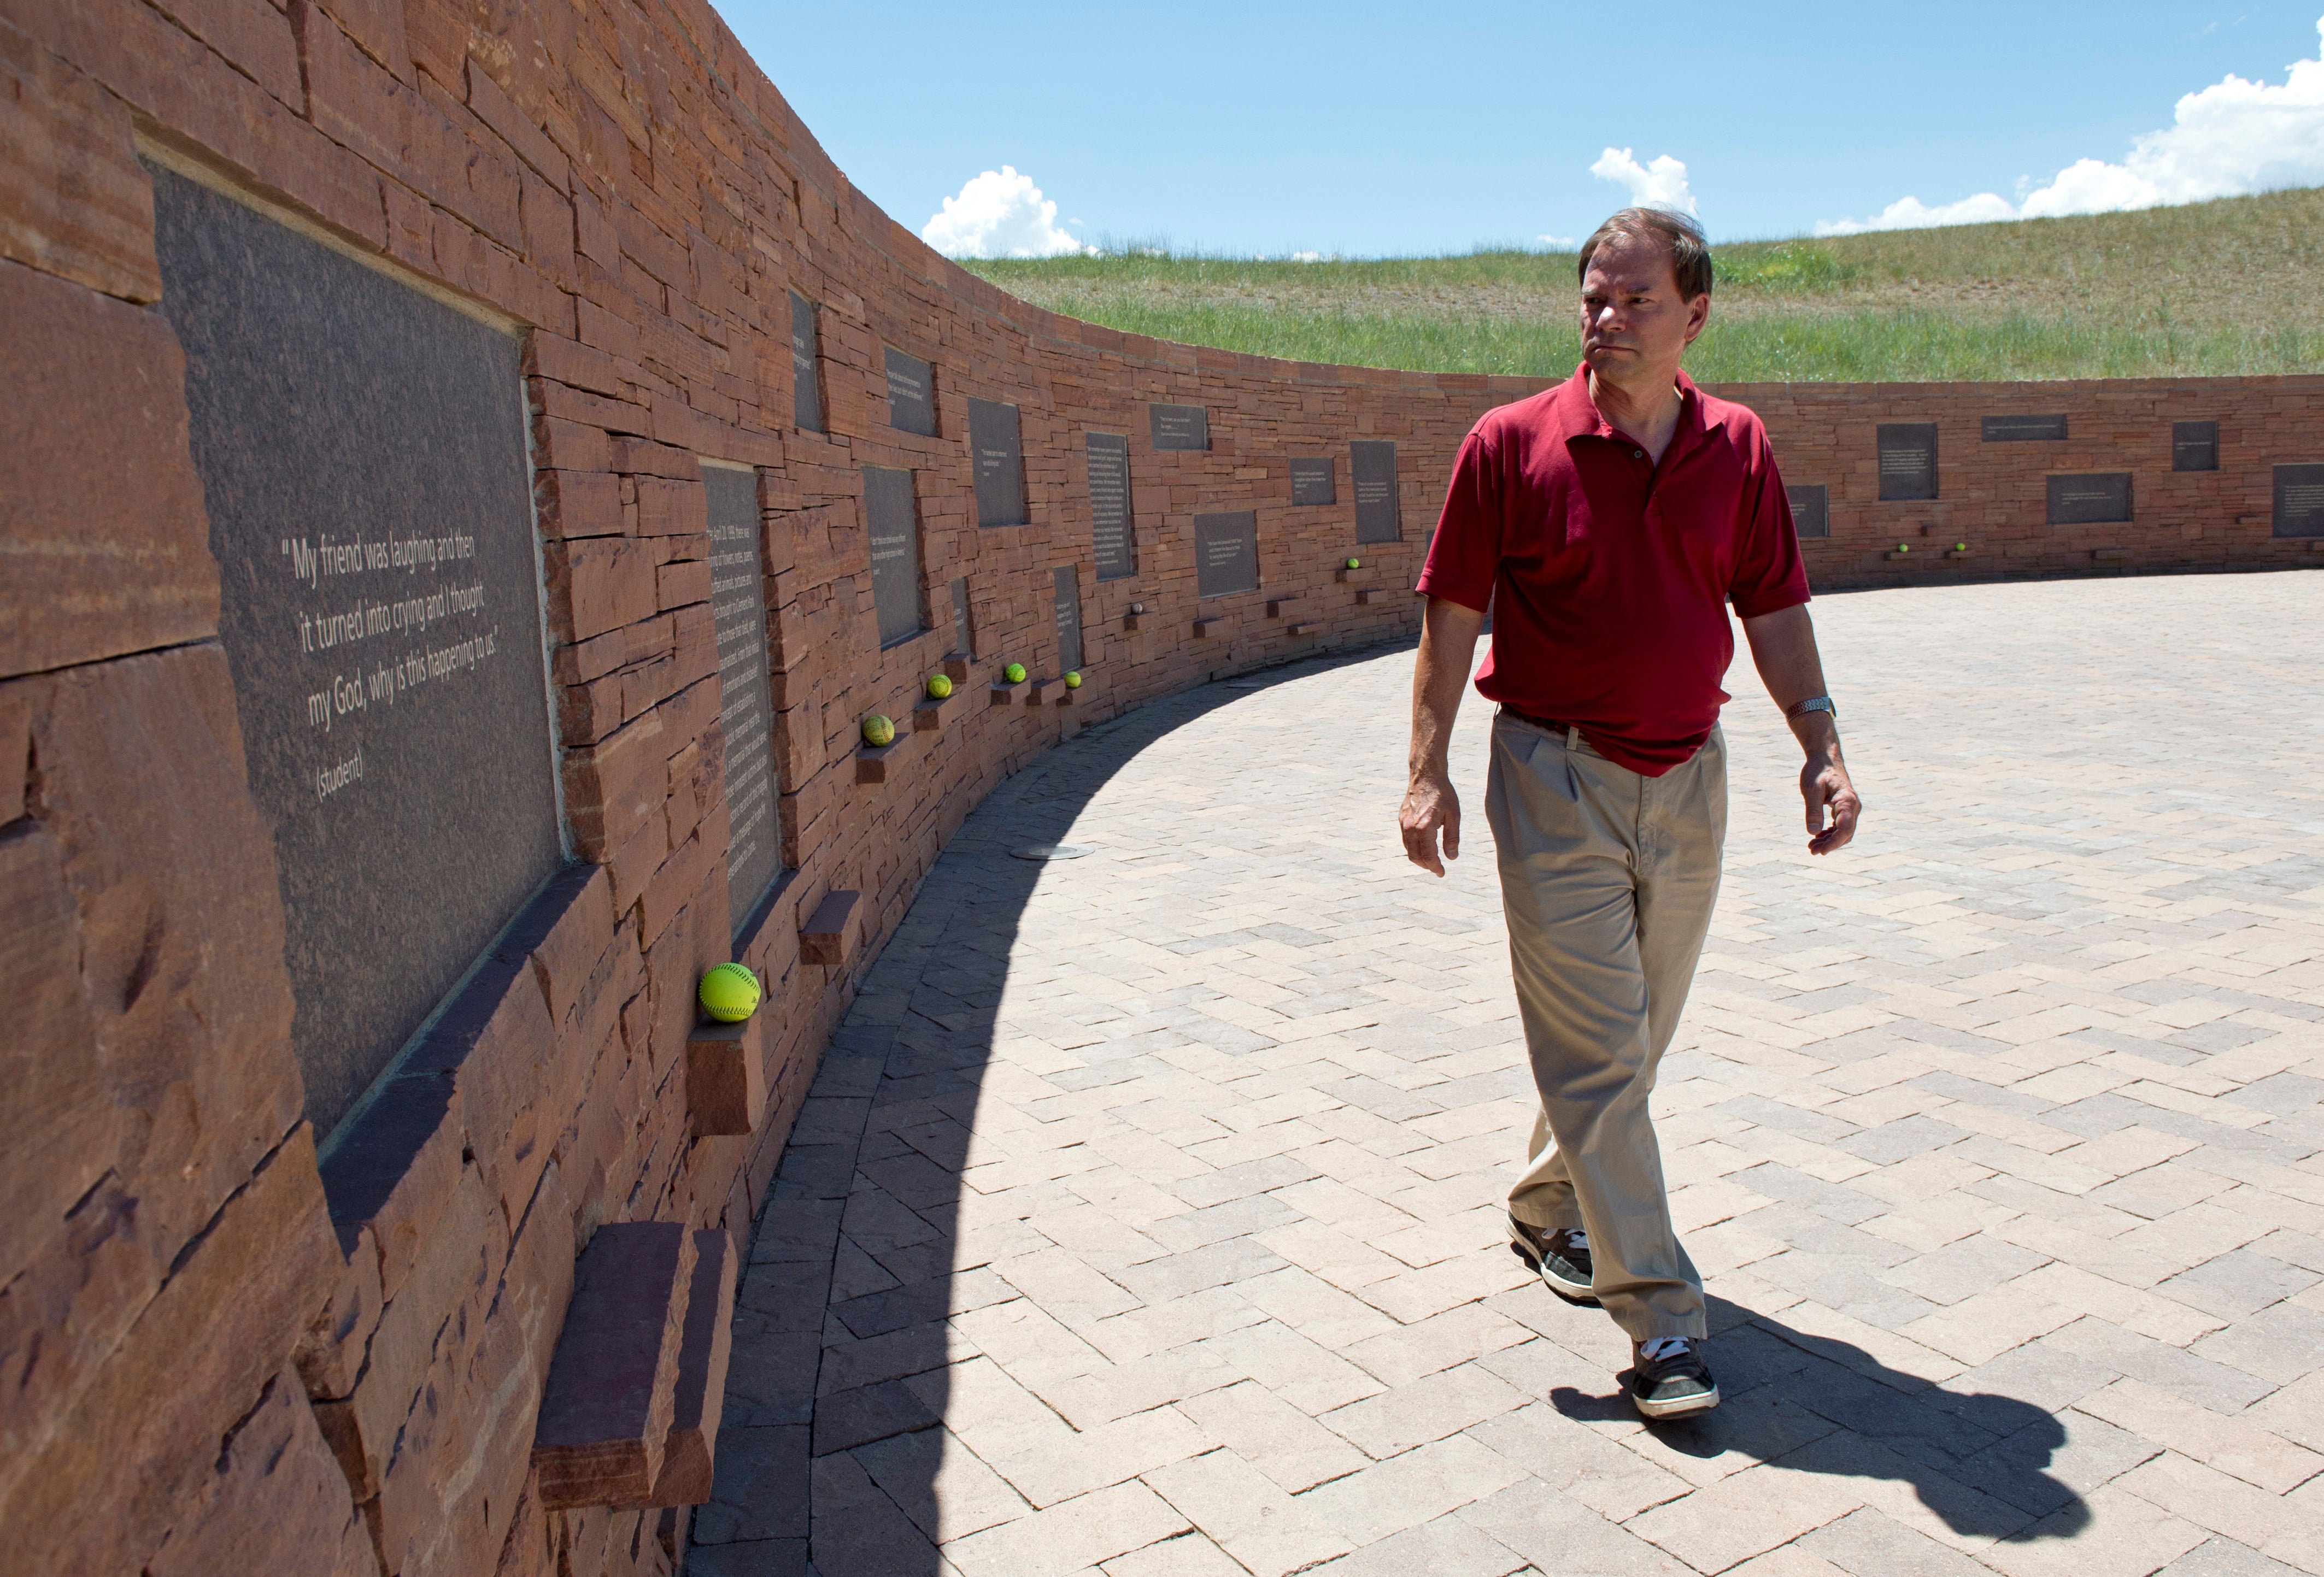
[806, 382]
[1371, 462]
[891, 521]
[1113, 539]
[738, 614]
[361, 451]
[963, 628]
[2091, 499]
[2194, 446]
[1226, 553]
[1179, 426]
[2300, 501]
[1811, 508]
[996, 441]
[1908, 460]
[2023, 429]
[911, 394]
[1313, 482]
[1067, 598]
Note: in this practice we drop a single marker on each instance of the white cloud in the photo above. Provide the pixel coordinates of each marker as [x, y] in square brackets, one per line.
[999, 214]
[1561, 242]
[1659, 185]
[2231, 138]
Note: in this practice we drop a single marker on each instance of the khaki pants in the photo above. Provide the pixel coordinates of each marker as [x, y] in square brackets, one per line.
[1608, 879]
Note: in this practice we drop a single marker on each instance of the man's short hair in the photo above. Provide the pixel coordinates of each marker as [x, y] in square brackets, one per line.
[1689, 252]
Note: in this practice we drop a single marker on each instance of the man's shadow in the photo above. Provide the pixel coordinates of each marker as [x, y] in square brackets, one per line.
[1814, 1404]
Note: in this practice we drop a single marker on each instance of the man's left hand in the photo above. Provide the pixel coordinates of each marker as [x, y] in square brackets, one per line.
[1824, 784]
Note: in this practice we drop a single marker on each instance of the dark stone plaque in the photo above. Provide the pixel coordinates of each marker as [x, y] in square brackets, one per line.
[361, 451]
[1908, 460]
[1226, 553]
[1371, 462]
[963, 628]
[1112, 537]
[2089, 499]
[1312, 482]
[2300, 501]
[891, 519]
[2023, 429]
[996, 441]
[806, 383]
[1811, 508]
[1179, 426]
[911, 394]
[2194, 446]
[1067, 598]
[738, 612]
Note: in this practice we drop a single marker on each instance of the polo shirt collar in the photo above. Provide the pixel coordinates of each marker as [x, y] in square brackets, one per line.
[1577, 415]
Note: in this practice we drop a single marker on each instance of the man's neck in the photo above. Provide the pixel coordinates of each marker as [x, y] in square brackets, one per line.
[1648, 411]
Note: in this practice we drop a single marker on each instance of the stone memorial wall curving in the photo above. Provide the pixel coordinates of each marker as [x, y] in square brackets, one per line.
[489, 357]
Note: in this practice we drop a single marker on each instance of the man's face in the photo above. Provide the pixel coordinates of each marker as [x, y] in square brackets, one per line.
[1633, 319]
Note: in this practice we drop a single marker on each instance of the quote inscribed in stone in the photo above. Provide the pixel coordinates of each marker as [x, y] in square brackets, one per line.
[361, 451]
[1908, 460]
[1066, 601]
[1371, 462]
[1226, 553]
[892, 521]
[738, 613]
[1113, 541]
[998, 444]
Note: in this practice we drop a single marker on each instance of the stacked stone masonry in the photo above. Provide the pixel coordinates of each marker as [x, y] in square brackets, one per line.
[217, 1350]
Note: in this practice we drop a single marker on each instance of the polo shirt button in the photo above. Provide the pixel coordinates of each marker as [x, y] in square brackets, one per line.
[1637, 454]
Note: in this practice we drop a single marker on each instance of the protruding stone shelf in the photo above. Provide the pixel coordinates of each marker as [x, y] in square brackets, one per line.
[689, 1462]
[1344, 574]
[1129, 622]
[956, 668]
[823, 937]
[1206, 626]
[725, 1077]
[2110, 555]
[871, 761]
[1367, 597]
[1004, 694]
[1306, 627]
[1274, 605]
[604, 1422]
[927, 716]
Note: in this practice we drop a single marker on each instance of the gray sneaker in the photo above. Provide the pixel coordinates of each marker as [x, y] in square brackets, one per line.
[1670, 1379]
[1558, 1257]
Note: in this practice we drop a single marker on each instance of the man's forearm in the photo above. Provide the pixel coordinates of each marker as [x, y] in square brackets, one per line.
[1784, 650]
[1448, 649]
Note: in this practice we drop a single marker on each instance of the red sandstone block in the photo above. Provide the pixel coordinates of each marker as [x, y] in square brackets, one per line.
[669, 507]
[394, 1170]
[330, 1355]
[678, 883]
[824, 933]
[73, 201]
[597, 583]
[689, 1462]
[680, 584]
[725, 1077]
[274, 1502]
[578, 503]
[605, 1413]
[496, 109]
[350, 98]
[573, 446]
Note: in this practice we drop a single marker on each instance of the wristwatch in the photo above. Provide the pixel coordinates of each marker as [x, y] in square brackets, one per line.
[1814, 704]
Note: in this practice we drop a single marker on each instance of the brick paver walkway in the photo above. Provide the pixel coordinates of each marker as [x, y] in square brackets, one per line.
[1145, 1217]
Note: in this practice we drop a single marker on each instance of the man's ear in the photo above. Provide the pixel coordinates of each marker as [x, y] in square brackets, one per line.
[1698, 314]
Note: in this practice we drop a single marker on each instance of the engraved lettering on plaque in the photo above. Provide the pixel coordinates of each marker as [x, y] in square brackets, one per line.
[963, 627]
[911, 394]
[738, 615]
[1811, 508]
[2023, 429]
[1114, 539]
[1179, 426]
[1226, 553]
[892, 521]
[361, 452]
[806, 382]
[2094, 499]
[1066, 599]
[1313, 482]
[2300, 501]
[1908, 460]
[1371, 462]
[2194, 446]
[996, 441]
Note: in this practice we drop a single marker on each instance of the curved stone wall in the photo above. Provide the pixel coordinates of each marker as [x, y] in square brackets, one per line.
[221, 1353]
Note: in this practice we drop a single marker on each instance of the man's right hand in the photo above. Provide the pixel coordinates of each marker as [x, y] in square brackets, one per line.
[1430, 806]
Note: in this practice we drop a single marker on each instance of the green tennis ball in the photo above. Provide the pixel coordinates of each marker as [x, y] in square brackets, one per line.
[1355, 564]
[939, 685]
[1960, 546]
[1014, 673]
[729, 994]
[1072, 681]
[1903, 547]
[879, 731]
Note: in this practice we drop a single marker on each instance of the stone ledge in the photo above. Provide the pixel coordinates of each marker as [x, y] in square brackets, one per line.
[725, 1077]
[1274, 605]
[690, 1460]
[871, 761]
[823, 935]
[605, 1413]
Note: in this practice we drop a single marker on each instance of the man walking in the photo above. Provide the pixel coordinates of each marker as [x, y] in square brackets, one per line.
[1608, 523]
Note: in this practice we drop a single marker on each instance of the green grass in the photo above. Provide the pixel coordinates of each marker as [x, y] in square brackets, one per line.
[2227, 288]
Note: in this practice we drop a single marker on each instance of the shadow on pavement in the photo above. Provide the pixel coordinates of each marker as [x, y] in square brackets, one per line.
[1817, 1405]
[829, 1446]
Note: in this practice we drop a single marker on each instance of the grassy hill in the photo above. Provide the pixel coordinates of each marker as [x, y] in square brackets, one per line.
[2212, 289]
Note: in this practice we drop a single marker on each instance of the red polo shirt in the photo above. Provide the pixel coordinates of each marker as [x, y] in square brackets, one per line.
[1608, 574]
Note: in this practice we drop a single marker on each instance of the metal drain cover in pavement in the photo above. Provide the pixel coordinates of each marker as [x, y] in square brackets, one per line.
[1050, 852]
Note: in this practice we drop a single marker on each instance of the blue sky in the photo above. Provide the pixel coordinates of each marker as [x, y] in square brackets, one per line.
[1369, 129]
